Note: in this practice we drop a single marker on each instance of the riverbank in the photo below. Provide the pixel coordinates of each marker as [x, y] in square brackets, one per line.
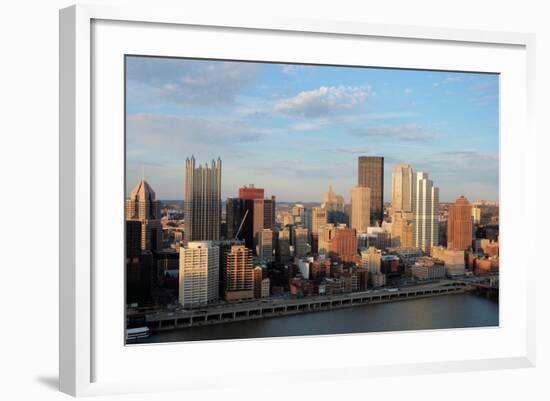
[261, 309]
[450, 311]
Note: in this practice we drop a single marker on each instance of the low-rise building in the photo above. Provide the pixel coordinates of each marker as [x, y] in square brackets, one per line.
[427, 268]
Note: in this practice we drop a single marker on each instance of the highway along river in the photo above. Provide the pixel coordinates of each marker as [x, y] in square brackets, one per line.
[440, 312]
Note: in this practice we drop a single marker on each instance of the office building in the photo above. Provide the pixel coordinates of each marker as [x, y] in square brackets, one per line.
[202, 201]
[339, 242]
[258, 274]
[318, 219]
[335, 206]
[454, 260]
[251, 192]
[239, 274]
[264, 247]
[142, 206]
[402, 229]
[360, 208]
[283, 245]
[266, 286]
[371, 175]
[300, 242]
[425, 213]
[198, 273]
[234, 213]
[402, 188]
[459, 225]
[427, 268]
[371, 259]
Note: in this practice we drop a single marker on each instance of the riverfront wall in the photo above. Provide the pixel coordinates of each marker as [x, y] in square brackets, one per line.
[284, 307]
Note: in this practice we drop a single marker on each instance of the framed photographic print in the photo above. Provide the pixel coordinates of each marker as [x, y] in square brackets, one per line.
[256, 188]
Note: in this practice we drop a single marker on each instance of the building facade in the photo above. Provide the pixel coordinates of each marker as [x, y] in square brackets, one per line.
[142, 206]
[239, 273]
[459, 225]
[202, 201]
[360, 208]
[425, 213]
[300, 239]
[402, 188]
[371, 175]
[198, 273]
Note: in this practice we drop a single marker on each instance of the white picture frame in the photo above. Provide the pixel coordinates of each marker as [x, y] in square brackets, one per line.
[83, 347]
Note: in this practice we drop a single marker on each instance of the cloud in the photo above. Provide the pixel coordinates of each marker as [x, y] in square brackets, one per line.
[323, 101]
[407, 91]
[446, 81]
[188, 82]
[171, 138]
[405, 132]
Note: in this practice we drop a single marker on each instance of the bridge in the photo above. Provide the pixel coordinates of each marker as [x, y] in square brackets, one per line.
[273, 307]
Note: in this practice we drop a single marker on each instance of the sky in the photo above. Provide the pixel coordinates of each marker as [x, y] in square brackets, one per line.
[296, 129]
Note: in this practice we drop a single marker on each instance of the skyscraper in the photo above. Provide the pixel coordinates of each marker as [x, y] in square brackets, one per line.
[283, 245]
[300, 239]
[371, 175]
[459, 225]
[335, 207]
[318, 219]
[264, 247]
[425, 213]
[402, 230]
[251, 192]
[402, 188]
[198, 273]
[360, 208]
[234, 211]
[239, 274]
[202, 200]
[143, 206]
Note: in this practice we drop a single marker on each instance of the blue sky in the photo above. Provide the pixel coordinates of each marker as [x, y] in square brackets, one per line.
[295, 129]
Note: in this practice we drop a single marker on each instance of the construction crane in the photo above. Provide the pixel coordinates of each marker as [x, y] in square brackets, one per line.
[241, 225]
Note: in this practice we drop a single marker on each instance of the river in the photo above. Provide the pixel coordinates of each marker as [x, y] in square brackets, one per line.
[440, 312]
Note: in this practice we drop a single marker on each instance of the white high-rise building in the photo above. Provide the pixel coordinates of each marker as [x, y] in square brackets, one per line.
[425, 213]
[199, 273]
[360, 208]
[402, 188]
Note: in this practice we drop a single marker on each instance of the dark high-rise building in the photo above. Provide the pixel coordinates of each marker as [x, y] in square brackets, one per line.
[202, 201]
[138, 265]
[371, 175]
[260, 214]
[269, 213]
[234, 212]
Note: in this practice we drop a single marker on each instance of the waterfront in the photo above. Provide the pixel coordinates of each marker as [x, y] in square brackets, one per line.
[441, 312]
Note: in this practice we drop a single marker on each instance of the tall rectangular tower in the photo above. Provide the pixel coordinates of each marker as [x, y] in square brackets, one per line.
[425, 213]
[459, 225]
[360, 208]
[198, 274]
[239, 273]
[402, 188]
[371, 175]
[203, 204]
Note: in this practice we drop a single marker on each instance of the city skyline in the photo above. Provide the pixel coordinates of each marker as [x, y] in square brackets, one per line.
[295, 129]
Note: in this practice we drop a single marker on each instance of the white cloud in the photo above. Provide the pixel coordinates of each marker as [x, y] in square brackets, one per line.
[188, 82]
[322, 101]
[404, 132]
